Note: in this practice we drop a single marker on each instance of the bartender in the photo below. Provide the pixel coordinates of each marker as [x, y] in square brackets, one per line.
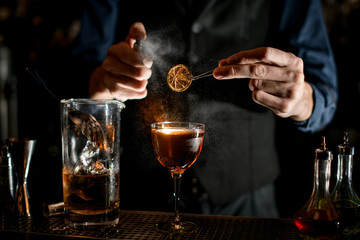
[271, 59]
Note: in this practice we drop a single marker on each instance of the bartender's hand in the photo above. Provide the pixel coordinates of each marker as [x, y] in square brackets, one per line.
[276, 80]
[125, 72]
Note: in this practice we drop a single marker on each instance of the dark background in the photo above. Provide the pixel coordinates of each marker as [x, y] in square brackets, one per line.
[41, 32]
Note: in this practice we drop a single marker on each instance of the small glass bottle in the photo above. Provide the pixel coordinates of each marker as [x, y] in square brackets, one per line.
[344, 196]
[319, 218]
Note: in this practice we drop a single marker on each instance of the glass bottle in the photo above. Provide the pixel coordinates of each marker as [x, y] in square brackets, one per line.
[344, 196]
[319, 218]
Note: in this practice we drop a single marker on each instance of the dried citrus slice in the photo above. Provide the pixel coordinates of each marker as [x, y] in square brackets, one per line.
[179, 78]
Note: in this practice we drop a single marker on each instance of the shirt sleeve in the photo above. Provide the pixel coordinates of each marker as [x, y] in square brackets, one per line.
[98, 30]
[302, 25]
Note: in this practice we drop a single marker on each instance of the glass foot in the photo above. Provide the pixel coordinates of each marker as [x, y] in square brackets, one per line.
[182, 228]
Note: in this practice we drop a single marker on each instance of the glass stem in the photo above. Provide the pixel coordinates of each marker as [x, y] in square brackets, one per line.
[177, 179]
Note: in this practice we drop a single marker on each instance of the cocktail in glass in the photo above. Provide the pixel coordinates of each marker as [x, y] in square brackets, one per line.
[177, 145]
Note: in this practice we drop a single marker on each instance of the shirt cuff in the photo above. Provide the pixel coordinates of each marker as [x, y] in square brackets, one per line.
[313, 124]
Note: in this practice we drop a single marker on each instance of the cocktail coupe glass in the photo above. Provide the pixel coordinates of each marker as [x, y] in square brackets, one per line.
[177, 145]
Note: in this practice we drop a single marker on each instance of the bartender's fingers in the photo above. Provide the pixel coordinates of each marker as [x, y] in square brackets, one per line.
[119, 68]
[124, 94]
[299, 107]
[289, 89]
[137, 31]
[280, 106]
[105, 85]
[267, 55]
[113, 82]
[259, 71]
[125, 88]
[124, 53]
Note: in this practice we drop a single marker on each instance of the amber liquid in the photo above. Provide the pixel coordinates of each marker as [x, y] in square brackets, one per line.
[177, 148]
[318, 224]
[91, 194]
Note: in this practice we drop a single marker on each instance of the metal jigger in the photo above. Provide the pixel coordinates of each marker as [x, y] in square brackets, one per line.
[21, 151]
[6, 182]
